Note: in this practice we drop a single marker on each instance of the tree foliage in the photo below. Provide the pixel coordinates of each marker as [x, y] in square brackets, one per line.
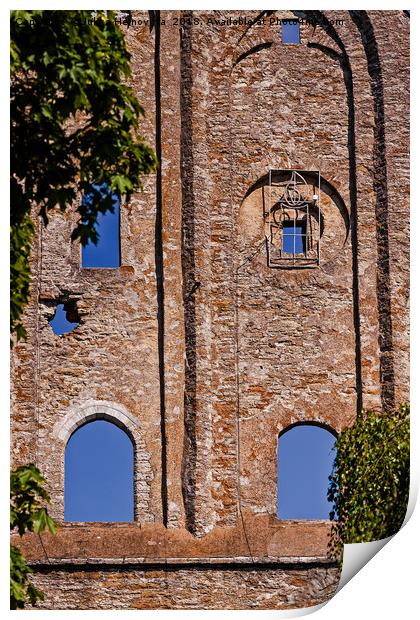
[369, 486]
[27, 514]
[74, 132]
[74, 123]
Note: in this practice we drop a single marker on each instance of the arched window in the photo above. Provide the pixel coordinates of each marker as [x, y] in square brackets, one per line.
[305, 460]
[106, 253]
[99, 474]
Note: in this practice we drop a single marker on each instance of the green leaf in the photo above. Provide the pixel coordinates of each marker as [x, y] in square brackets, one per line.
[369, 486]
[21, 589]
[81, 74]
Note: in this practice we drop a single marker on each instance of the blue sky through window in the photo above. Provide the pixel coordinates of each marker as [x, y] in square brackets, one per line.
[99, 474]
[293, 238]
[305, 460]
[290, 32]
[60, 325]
[107, 252]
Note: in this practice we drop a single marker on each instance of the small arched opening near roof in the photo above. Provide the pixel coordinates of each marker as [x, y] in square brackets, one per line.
[306, 453]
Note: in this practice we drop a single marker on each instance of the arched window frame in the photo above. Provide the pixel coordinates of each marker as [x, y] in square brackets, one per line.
[118, 415]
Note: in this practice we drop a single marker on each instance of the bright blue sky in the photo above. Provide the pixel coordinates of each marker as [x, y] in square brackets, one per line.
[107, 252]
[60, 325]
[290, 32]
[293, 235]
[305, 460]
[99, 474]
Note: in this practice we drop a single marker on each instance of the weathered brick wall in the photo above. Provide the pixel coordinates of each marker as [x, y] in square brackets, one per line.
[203, 351]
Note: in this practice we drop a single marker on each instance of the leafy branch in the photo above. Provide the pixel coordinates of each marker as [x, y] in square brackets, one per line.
[74, 123]
[27, 514]
[369, 486]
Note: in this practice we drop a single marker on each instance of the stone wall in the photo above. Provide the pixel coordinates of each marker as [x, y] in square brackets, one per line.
[197, 347]
[187, 588]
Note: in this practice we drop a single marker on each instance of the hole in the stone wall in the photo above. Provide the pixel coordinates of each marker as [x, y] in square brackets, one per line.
[66, 318]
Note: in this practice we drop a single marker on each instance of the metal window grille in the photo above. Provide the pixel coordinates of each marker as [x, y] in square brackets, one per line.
[293, 218]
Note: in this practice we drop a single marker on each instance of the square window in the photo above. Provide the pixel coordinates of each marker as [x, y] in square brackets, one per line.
[290, 31]
[294, 237]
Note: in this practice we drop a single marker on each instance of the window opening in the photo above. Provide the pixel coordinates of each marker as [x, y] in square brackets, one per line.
[65, 319]
[290, 31]
[294, 234]
[293, 219]
[306, 455]
[99, 474]
[106, 252]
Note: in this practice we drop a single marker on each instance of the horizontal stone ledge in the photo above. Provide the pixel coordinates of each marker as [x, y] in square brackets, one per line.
[260, 538]
[141, 562]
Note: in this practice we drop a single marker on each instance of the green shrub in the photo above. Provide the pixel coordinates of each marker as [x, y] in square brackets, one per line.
[369, 486]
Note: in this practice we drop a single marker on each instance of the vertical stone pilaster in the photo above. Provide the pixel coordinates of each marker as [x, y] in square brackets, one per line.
[173, 321]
